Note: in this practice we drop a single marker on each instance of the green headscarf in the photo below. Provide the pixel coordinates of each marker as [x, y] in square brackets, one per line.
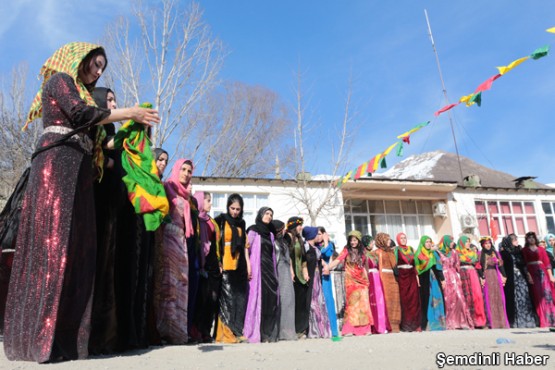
[424, 258]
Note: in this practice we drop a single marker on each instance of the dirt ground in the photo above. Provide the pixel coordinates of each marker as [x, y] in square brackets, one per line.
[389, 351]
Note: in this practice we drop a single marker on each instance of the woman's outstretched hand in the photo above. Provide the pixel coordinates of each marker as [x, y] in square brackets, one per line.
[146, 116]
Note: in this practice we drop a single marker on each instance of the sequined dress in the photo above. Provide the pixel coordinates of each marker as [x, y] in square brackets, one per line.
[50, 293]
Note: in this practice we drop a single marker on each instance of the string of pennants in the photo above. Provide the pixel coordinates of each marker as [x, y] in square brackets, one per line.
[378, 161]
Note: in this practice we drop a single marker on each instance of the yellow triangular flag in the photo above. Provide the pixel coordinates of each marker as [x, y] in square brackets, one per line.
[505, 69]
[552, 30]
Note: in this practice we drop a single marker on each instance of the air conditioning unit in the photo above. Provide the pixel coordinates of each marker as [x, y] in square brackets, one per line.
[439, 209]
[468, 222]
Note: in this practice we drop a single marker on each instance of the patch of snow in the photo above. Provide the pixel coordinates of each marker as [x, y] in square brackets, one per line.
[324, 177]
[417, 167]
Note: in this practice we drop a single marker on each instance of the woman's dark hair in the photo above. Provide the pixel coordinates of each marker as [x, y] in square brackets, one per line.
[207, 194]
[235, 198]
[86, 62]
[528, 235]
[158, 152]
[321, 229]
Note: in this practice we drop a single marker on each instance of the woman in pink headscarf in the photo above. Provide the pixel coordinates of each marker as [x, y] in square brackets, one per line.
[409, 285]
[172, 291]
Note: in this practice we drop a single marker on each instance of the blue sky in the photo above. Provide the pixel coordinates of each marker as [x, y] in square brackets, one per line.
[383, 46]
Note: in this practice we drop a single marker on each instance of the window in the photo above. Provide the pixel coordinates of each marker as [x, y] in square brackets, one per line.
[253, 202]
[508, 217]
[548, 208]
[390, 216]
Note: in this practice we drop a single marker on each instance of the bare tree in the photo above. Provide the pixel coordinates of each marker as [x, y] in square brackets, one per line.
[241, 131]
[173, 64]
[17, 146]
[318, 202]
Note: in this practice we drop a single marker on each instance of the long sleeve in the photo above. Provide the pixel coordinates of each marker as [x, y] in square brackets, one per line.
[438, 273]
[61, 93]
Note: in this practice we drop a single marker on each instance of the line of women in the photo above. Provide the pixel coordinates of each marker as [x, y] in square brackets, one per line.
[93, 274]
[391, 288]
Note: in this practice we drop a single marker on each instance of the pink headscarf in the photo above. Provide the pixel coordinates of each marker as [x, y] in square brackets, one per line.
[206, 227]
[176, 189]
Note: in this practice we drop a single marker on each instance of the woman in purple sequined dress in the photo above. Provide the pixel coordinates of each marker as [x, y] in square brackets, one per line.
[50, 294]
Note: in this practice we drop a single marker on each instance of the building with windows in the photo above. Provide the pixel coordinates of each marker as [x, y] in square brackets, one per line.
[422, 195]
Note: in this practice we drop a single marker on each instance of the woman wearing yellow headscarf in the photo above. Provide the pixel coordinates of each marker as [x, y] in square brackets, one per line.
[471, 286]
[49, 301]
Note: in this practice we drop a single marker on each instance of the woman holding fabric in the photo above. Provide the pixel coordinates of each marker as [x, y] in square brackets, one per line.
[262, 317]
[49, 300]
[493, 278]
[234, 252]
[408, 285]
[457, 315]
[518, 303]
[431, 297]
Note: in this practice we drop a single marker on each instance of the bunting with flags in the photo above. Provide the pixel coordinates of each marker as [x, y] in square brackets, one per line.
[379, 160]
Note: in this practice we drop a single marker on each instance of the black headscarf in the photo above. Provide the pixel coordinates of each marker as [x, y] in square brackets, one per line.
[100, 95]
[278, 227]
[507, 245]
[237, 242]
[260, 227]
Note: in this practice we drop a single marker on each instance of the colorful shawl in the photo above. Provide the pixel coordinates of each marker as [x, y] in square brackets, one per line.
[466, 255]
[445, 245]
[424, 258]
[144, 188]
[174, 188]
[67, 60]
[406, 250]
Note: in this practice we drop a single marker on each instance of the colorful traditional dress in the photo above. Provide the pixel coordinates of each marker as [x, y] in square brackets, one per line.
[172, 294]
[457, 315]
[235, 284]
[358, 315]
[537, 263]
[327, 288]
[472, 289]
[319, 323]
[48, 306]
[520, 312]
[262, 317]
[408, 287]
[492, 272]
[388, 265]
[431, 297]
[376, 294]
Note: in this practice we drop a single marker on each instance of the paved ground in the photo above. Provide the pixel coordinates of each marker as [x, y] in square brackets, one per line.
[390, 351]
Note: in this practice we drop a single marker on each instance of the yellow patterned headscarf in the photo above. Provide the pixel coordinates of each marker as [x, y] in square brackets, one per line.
[67, 60]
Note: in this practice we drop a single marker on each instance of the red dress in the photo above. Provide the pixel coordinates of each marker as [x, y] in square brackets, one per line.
[537, 262]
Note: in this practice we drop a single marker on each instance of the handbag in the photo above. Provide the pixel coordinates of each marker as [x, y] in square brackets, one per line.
[9, 217]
